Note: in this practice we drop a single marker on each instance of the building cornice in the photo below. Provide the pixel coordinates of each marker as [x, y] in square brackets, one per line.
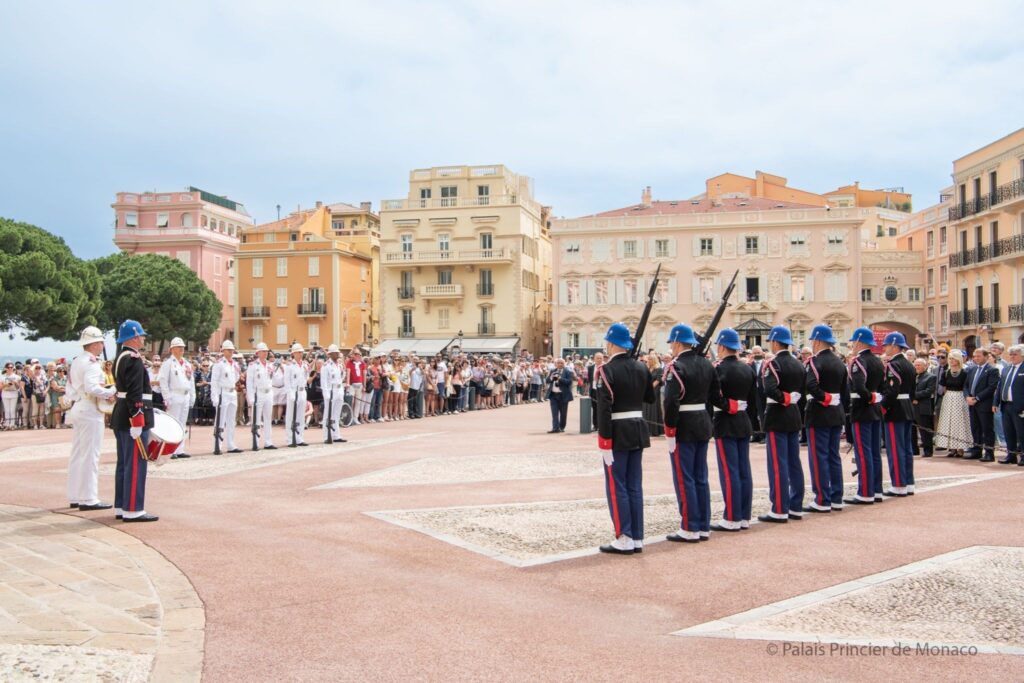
[747, 220]
[988, 164]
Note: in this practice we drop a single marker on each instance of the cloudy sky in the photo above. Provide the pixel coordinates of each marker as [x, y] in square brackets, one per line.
[287, 103]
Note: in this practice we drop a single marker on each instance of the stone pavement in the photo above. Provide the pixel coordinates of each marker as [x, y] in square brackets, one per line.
[378, 559]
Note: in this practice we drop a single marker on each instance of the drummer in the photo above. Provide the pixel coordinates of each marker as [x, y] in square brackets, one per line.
[131, 421]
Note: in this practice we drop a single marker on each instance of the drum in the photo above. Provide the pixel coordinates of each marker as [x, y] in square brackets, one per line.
[164, 438]
[106, 407]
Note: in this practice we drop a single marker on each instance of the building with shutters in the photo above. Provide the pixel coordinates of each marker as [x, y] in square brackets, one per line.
[799, 262]
[927, 233]
[299, 281]
[198, 228]
[465, 258]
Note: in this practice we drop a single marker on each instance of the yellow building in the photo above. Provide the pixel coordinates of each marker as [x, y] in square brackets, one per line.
[926, 232]
[297, 281]
[465, 254]
[986, 222]
[360, 227]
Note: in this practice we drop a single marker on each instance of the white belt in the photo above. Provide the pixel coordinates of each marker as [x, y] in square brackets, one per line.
[625, 415]
[903, 397]
[145, 397]
[691, 407]
[181, 392]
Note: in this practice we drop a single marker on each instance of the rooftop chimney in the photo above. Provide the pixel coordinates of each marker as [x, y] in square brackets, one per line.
[645, 197]
[319, 204]
[366, 206]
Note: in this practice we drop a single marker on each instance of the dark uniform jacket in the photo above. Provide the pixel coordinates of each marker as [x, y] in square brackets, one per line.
[924, 392]
[866, 374]
[737, 382]
[623, 385]
[782, 375]
[689, 380]
[132, 380]
[900, 380]
[826, 377]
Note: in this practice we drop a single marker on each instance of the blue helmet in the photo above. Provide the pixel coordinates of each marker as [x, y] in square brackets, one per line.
[618, 334]
[897, 339]
[729, 338]
[864, 335]
[781, 334]
[128, 330]
[682, 334]
[822, 333]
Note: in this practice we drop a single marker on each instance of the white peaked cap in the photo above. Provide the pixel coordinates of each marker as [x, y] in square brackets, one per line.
[333, 348]
[297, 348]
[262, 347]
[177, 342]
[227, 345]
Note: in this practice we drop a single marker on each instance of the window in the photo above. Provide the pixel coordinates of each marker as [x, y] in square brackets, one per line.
[282, 266]
[629, 248]
[313, 333]
[257, 334]
[993, 232]
[362, 273]
[630, 291]
[486, 284]
[661, 293]
[443, 318]
[943, 280]
[131, 219]
[601, 292]
[282, 297]
[879, 231]
[406, 241]
[449, 195]
[269, 237]
[162, 219]
[914, 294]
[313, 297]
[354, 223]
[344, 321]
[282, 333]
[443, 242]
[202, 221]
[486, 241]
[257, 297]
[751, 245]
[753, 289]
[798, 288]
[707, 246]
[444, 276]
[572, 293]
[798, 241]
[407, 319]
[892, 231]
[483, 194]
[257, 267]
[835, 240]
[891, 293]
[942, 240]
[572, 250]
[706, 290]
[338, 225]
[931, 318]
[314, 266]
[661, 248]
[216, 265]
[865, 294]
[220, 225]
[835, 287]
[572, 339]
[231, 294]
[929, 242]
[186, 220]
[944, 316]
[929, 281]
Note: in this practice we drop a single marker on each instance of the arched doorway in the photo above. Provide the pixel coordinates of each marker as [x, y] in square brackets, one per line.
[970, 343]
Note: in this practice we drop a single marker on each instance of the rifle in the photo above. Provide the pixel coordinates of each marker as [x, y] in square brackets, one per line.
[255, 415]
[330, 415]
[295, 420]
[705, 340]
[216, 425]
[642, 325]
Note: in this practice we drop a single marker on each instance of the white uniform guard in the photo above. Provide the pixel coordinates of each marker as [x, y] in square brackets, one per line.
[259, 389]
[85, 387]
[332, 385]
[226, 374]
[179, 389]
[295, 375]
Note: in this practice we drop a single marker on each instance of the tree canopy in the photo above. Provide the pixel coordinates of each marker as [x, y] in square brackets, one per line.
[44, 288]
[161, 293]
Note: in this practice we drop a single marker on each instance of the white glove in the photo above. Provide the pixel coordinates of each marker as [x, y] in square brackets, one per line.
[608, 458]
[794, 397]
[741, 406]
[834, 400]
[136, 432]
[876, 398]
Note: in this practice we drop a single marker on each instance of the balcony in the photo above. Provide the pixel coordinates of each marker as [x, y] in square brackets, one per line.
[968, 318]
[989, 316]
[441, 291]
[255, 312]
[406, 332]
[1016, 313]
[312, 309]
[485, 289]
[1002, 194]
[485, 329]
[406, 293]
[445, 256]
[459, 202]
[1006, 247]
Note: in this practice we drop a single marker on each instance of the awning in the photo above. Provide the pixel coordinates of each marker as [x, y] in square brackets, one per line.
[753, 326]
[488, 344]
[405, 346]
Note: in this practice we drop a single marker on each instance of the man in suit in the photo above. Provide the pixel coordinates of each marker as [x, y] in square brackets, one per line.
[560, 383]
[997, 349]
[756, 410]
[982, 381]
[592, 385]
[1009, 400]
[924, 405]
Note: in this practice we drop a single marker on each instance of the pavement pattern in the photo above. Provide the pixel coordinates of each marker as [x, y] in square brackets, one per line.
[289, 578]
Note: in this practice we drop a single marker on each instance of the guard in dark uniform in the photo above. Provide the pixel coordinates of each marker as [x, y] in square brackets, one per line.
[865, 372]
[131, 421]
[898, 390]
[783, 379]
[824, 416]
[732, 431]
[623, 386]
[690, 380]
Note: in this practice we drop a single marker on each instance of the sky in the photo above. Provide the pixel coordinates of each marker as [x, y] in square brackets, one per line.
[289, 103]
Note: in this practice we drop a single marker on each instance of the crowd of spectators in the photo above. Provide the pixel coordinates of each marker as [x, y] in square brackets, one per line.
[32, 395]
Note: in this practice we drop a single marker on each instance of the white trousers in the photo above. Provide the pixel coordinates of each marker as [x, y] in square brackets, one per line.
[360, 408]
[11, 409]
[84, 465]
[264, 416]
[177, 407]
[332, 412]
[228, 406]
[299, 436]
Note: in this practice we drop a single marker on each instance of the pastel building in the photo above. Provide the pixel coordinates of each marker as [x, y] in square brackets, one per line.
[198, 228]
[927, 233]
[800, 262]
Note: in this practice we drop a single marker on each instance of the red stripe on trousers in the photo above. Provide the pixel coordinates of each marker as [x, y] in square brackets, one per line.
[861, 470]
[728, 481]
[818, 498]
[135, 474]
[894, 455]
[615, 502]
[682, 489]
[775, 467]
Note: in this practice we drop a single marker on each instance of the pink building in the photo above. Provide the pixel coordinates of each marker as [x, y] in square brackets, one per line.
[196, 227]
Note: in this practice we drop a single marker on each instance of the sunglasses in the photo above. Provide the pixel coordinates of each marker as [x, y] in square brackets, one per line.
[940, 356]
